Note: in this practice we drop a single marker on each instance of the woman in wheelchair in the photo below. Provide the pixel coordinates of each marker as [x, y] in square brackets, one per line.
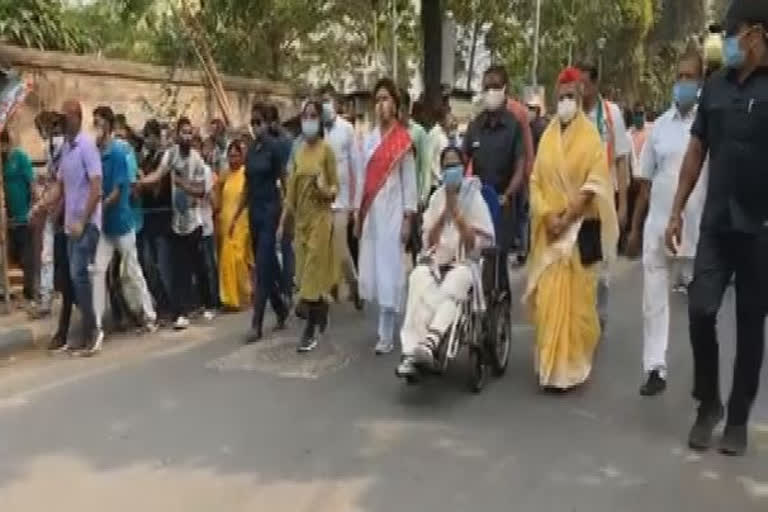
[456, 226]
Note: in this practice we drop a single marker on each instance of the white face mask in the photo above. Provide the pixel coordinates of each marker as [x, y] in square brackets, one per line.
[566, 109]
[494, 98]
[54, 148]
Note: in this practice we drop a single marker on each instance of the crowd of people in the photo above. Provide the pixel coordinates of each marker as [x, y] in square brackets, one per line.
[168, 224]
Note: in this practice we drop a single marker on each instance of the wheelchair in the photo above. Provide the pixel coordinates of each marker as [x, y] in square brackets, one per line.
[485, 335]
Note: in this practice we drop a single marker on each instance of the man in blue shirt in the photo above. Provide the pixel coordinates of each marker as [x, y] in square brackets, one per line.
[118, 230]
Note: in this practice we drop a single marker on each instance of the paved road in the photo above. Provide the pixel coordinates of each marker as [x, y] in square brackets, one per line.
[197, 422]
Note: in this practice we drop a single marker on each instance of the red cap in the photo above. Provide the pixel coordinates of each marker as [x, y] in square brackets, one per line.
[569, 75]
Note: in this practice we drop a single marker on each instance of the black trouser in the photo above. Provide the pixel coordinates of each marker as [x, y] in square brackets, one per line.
[263, 224]
[719, 256]
[20, 249]
[63, 283]
[186, 257]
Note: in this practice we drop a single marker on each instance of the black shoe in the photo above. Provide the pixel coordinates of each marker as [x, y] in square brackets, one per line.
[734, 440]
[57, 342]
[254, 336]
[281, 320]
[307, 344]
[709, 415]
[654, 385]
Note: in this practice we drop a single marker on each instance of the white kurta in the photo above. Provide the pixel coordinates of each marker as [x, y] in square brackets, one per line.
[381, 260]
[660, 163]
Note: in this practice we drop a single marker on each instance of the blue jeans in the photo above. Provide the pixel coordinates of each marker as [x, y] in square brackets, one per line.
[81, 252]
[263, 224]
[155, 256]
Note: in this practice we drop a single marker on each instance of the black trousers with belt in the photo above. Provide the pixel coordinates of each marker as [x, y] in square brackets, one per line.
[720, 256]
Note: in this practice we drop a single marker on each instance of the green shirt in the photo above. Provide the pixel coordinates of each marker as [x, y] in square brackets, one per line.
[17, 176]
[421, 146]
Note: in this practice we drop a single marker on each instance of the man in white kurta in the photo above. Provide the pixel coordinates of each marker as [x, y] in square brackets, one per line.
[382, 259]
[340, 135]
[433, 298]
[660, 163]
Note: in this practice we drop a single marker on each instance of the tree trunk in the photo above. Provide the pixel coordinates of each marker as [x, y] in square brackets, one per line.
[472, 50]
[432, 28]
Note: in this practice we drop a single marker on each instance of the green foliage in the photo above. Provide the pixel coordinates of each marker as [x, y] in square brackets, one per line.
[42, 24]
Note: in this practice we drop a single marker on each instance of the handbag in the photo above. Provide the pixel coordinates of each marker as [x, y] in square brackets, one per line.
[590, 244]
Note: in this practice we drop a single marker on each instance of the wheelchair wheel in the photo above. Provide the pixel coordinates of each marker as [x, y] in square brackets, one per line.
[479, 371]
[500, 337]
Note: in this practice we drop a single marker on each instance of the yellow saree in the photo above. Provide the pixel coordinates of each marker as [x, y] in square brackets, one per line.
[561, 292]
[235, 253]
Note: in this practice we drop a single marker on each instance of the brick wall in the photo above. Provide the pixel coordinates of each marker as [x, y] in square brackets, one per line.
[140, 91]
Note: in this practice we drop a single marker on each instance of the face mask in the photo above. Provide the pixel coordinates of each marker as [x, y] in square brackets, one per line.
[329, 113]
[566, 109]
[453, 175]
[57, 141]
[531, 115]
[494, 98]
[638, 120]
[685, 93]
[733, 55]
[310, 127]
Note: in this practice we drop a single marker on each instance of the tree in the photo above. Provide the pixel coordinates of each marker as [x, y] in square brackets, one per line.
[42, 24]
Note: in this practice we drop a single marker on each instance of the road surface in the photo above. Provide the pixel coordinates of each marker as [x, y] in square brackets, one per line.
[199, 422]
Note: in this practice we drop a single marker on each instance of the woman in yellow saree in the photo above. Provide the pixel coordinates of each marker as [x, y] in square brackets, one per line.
[570, 184]
[235, 254]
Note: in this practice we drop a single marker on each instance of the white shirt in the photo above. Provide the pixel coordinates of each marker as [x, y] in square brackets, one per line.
[660, 163]
[189, 213]
[341, 137]
[438, 141]
[622, 144]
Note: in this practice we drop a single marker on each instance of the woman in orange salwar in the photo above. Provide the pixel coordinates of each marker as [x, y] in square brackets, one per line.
[570, 190]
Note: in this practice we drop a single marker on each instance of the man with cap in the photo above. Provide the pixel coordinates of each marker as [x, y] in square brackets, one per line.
[729, 127]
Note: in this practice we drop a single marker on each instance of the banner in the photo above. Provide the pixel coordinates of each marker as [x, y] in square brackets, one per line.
[13, 90]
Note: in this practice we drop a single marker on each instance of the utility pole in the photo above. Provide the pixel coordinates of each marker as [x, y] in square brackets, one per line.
[535, 65]
[394, 40]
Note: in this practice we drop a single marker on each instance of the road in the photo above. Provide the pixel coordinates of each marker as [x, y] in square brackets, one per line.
[198, 422]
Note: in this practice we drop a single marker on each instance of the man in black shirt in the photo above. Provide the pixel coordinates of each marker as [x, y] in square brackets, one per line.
[730, 127]
[494, 144]
[155, 254]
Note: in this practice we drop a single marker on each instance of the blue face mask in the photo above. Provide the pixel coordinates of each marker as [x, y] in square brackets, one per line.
[453, 175]
[685, 93]
[733, 55]
[310, 127]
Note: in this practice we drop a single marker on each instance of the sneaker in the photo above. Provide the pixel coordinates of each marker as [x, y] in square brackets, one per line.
[655, 384]
[151, 327]
[94, 348]
[680, 288]
[181, 323]
[254, 336]
[58, 343]
[406, 368]
[209, 315]
[707, 418]
[384, 347]
[424, 356]
[734, 440]
[307, 344]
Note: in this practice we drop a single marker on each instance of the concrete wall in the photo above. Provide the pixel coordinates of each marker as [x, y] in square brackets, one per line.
[140, 91]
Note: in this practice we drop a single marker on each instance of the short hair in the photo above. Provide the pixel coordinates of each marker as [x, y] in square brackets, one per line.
[589, 70]
[105, 113]
[389, 85]
[181, 123]
[239, 143]
[693, 56]
[405, 98]
[272, 115]
[152, 127]
[452, 149]
[261, 108]
[498, 70]
[328, 89]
